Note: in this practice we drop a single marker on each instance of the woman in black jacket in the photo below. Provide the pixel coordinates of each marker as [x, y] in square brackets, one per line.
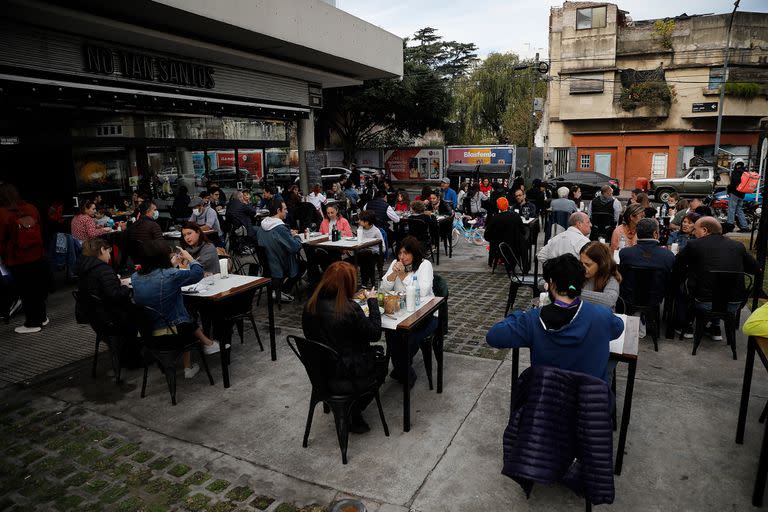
[332, 317]
[97, 278]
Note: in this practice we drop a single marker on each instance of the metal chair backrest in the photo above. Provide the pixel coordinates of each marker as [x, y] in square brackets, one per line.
[145, 317]
[261, 254]
[603, 220]
[560, 218]
[319, 360]
[419, 229]
[729, 287]
[645, 281]
[511, 262]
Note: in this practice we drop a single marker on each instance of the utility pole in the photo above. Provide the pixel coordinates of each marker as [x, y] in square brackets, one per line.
[722, 86]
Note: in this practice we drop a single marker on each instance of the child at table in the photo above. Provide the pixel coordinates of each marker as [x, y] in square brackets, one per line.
[366, 258]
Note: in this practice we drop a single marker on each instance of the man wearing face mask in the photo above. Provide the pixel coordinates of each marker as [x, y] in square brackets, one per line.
[145, 228]
[204, 216]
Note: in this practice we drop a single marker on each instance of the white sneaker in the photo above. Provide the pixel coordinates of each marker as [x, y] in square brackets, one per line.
[27, 330]
[46, 322]
[191, 372]
[212, 349]
[284, 297]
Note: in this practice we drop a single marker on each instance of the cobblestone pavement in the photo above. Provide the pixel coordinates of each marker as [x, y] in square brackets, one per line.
[54, 460]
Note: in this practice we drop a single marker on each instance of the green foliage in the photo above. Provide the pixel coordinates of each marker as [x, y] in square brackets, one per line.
[387, 111]
[743, 90]
[663, 32]
[493, 103]
[646, 94]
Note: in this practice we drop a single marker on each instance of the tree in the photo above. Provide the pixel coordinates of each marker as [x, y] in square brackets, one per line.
[379, 112]
[494, 102]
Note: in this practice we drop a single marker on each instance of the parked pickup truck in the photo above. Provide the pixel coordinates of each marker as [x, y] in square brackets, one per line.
[700, 181]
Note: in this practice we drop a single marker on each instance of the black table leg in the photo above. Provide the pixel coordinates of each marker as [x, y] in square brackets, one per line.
[438, 350]
[271, 316]
[406, 383]
[225, 339]
[762, 471]
[745, 387]
[625, 415]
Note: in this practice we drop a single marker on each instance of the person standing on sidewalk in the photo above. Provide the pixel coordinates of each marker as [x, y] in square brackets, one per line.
[23, 252]
[736, 198]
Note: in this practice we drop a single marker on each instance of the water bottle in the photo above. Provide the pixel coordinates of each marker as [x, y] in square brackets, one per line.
[622, 242]
[417, 290]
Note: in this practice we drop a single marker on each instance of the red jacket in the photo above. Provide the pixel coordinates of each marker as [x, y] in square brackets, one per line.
[9, 252]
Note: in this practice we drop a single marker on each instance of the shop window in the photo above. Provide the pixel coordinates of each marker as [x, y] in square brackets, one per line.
[715, 78]
[222, 128]
[585, 162]
[100, 169]
[591, 17]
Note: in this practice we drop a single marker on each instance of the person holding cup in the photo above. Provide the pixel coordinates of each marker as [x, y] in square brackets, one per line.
[680, 238]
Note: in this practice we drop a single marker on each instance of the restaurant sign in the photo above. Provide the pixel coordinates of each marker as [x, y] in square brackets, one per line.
[140, 66]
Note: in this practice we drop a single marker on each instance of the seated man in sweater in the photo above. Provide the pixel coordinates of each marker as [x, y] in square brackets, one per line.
[205, 216]
[569, 241]
[568, 334]
[282, 250]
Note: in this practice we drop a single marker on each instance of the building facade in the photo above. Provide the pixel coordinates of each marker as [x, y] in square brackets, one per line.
[112, 97]
[639, 99]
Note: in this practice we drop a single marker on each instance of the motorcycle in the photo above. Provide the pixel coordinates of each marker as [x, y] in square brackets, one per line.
[719, 205]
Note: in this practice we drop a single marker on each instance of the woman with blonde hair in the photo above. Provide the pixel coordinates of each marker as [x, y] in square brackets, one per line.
[602, 278]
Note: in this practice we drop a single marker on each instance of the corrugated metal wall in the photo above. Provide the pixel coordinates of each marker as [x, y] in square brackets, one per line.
[32, 48]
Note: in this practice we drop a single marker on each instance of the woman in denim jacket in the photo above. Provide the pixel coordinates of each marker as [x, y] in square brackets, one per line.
[158, 285]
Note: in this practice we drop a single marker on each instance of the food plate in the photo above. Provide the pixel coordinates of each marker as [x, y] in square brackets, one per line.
[365, 309]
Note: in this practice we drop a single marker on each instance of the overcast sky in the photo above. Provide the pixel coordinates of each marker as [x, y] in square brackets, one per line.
[520, 26]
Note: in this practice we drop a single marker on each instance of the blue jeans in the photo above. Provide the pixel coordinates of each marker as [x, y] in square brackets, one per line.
[733, 307]
[736, 210]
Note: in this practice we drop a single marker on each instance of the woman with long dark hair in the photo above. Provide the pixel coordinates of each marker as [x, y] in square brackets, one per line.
[331, 316]
[627, 231]
[602, 278]
[199, 247]
[410, 267]
[158, 285]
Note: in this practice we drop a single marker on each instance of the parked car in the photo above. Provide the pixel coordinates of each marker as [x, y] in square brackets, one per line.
[700, 181]
[282, 176]
[229, 177]
[589, 182]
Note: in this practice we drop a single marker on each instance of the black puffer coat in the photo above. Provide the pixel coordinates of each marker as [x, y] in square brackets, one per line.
[99, 279]
[560, 431]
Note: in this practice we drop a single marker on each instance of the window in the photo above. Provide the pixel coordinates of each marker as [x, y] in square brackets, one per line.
[591, 17]
[586, 161]
[603, 163]
[586, 83]
[715, 78]
[659, 165]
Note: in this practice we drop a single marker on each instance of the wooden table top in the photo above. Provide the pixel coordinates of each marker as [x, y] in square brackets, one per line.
[425, 309]
[323, 241]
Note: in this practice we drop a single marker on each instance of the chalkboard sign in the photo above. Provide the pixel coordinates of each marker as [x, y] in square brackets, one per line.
[316, 160]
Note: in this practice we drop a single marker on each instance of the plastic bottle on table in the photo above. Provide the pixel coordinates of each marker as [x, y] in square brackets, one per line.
[418, 291]
[410, 298]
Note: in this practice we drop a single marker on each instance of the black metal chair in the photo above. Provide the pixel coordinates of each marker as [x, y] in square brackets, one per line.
[423, 233]
[555, 218]
[240, 310]
[603, 225]
[514, 268]
[165, 349]
[87, 312]
[429, 344]
[727, 288]
[646, 298]
[320, 361]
